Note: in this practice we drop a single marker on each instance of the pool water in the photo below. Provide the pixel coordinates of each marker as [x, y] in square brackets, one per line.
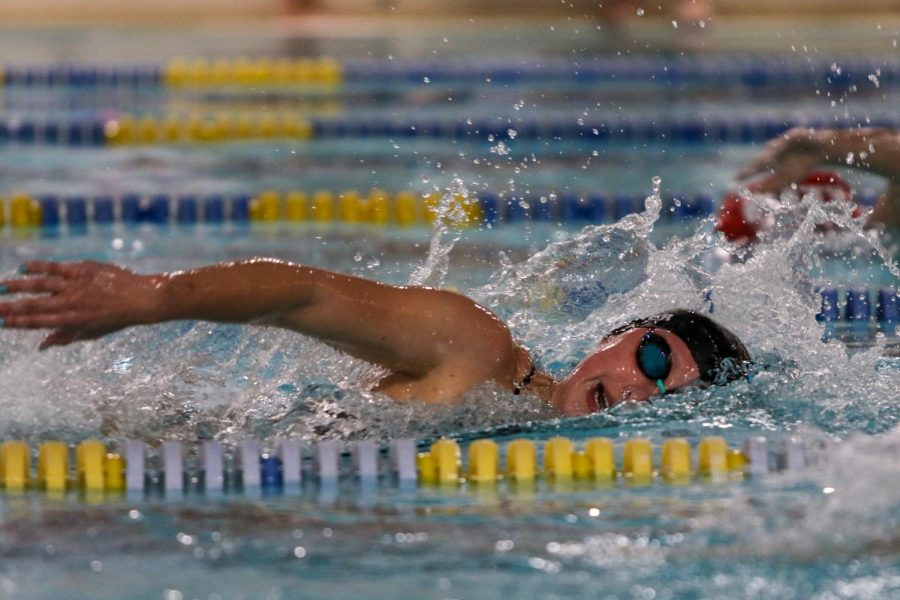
[821, 531]
[825, 531]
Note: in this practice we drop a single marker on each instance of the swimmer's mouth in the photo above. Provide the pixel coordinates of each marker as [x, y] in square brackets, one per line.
[600, 401]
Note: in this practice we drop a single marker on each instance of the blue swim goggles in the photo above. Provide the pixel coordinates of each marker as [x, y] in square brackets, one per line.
[654, 358]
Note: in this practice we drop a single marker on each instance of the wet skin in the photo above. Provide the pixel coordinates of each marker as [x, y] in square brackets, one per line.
[436, 345]
[611, 375]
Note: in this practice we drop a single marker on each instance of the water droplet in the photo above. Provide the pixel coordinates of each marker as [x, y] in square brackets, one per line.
[640, 12]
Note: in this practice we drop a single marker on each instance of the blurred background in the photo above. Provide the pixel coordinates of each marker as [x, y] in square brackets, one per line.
[112, 31]
[164, 9]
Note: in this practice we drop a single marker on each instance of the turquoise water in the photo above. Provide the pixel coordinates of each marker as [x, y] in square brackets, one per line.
[826, 531]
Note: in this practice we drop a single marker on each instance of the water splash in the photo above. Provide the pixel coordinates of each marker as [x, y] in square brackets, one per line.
[449, 216]
[573, 278]
[769, 298]
[200, 382]
[563, 299]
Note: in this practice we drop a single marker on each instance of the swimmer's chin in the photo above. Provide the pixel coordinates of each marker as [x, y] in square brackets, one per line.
[498, 404]
[580, 403]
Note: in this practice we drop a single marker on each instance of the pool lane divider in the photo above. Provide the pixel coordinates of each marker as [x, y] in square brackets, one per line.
[127, 130]
[747, 71]
[856, 315]
[181, 73]
[373, 207]
[173, 470]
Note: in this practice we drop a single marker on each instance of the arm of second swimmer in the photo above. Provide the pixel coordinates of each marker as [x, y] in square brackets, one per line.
[873, 149]
[876, 150]
[788, 158]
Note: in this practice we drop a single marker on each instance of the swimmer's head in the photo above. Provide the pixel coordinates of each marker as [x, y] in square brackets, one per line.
[649, 357]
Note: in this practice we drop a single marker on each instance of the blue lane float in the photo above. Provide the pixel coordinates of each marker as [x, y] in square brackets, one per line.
[186, 211]
[82, 76]
[603, 130]
[130, 208]
[50, 211]
[857, 315]
[214, 209]
[104, 210]
[76, 210]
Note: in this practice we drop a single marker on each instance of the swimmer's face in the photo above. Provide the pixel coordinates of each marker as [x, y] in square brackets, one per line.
[611, 375]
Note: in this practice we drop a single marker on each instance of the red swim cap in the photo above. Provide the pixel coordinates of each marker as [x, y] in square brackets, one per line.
[741, 220]
[733, 220]
[830, 186]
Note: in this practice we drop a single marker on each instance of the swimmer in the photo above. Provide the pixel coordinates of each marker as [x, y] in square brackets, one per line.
[789, 158]
[435, 345]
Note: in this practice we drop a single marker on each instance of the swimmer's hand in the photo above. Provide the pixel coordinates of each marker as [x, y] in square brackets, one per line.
[786, 160]
[78, 300]
[789, 158]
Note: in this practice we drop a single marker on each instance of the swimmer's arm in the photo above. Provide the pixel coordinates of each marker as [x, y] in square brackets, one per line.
[413, 331]
[789, 158]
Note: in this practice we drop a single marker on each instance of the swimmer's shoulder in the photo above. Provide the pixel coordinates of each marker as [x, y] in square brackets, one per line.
[479, 345]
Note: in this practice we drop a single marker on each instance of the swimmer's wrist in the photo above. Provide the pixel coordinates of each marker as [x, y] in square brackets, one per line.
[819, 143]
[874, 149]
[156, 305]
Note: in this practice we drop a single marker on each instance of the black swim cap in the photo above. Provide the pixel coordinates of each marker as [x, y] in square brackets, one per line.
[720, 355]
